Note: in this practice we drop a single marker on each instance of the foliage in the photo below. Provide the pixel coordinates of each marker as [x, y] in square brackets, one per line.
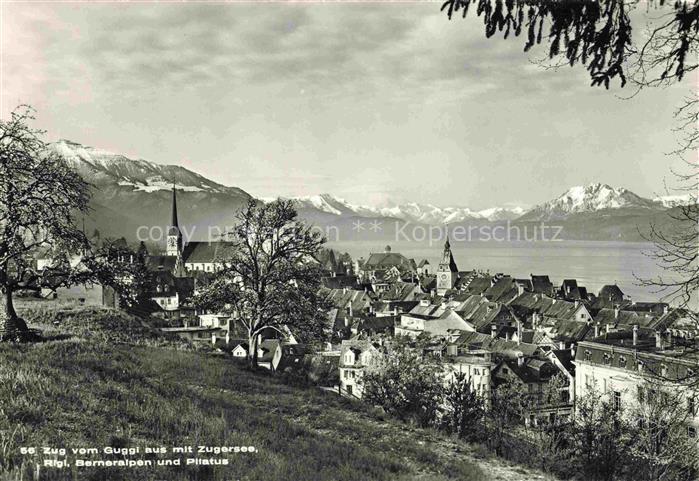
[269, 278]
[463, 408]
[598, 35]
[507, 409]
[661, 448]
[406, 384]
[115, 264]
[599, 437]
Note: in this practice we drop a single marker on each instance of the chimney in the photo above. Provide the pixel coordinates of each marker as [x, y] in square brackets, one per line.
[665, 309]
[607, 328]
[228, 337]
[519, 331]
[493, 330]
[520, 289]
[350, 309]
[572, 350]
[635, 334]
[520, 359]
[577, 303]
[659, 340]
[616, 312]
[596, 329]
[553, 301]
[507, 335]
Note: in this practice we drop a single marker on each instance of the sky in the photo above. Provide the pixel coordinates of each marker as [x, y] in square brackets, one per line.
[374, 102]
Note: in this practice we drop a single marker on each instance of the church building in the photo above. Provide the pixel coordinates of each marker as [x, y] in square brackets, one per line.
[182, 258]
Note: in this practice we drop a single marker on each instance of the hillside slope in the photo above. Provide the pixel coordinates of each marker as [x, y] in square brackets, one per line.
[79, 393]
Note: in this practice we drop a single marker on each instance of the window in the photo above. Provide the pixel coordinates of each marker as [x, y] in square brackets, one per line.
[607, 359]
[622, 361]
[617, 400]
[504, 370]
[641, 395]
[588, 381]
[692, 406]
[588, 356]
[691, 431]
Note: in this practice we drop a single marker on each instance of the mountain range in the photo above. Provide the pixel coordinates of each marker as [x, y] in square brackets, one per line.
[132, 193]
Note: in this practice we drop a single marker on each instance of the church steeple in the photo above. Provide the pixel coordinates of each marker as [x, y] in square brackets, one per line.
[173, 222]
[447, 272]
[174, 236]
[448, 263]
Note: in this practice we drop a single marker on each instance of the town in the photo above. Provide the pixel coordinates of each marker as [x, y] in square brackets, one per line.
[531, 334]
[348, 240]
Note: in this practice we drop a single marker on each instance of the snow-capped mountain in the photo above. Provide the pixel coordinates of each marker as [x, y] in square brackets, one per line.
[591, 198]
[102, 167]
[675, 200]
[130, 194]
[413, 212]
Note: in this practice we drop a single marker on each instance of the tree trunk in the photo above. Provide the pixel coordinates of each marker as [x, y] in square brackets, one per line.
[12, 327]
[252, 351]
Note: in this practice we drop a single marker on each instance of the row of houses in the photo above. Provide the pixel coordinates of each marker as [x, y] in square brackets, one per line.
[497, 328]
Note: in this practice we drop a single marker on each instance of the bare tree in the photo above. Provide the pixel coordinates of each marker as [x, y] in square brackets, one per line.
[464, 407]
[676, 243]
[661, 447]
[40, 196]
[269, 279]
[599, 437]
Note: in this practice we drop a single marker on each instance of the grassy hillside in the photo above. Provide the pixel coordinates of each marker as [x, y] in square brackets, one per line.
[80, 392]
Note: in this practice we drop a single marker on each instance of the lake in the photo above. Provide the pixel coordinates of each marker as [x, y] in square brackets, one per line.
[592, 263]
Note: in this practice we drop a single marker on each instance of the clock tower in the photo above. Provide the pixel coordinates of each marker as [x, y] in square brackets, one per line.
[447, 272]
[174, 236]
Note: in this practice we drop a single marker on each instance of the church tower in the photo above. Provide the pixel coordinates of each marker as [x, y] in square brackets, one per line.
[447, 272]
[174, 236]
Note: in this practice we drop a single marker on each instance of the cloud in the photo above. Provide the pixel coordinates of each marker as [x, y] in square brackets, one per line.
[400, 51]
